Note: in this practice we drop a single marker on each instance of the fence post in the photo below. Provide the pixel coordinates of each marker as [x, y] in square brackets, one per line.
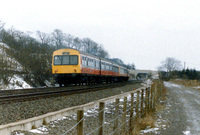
[116, 115]
[137, 105]
[101, 117]
[131, 114]
[155, 96]
[124, 115]
[151, 103]
[149, 98]
[80, 125]
[161, 89]
[142, 102]
[146, 98]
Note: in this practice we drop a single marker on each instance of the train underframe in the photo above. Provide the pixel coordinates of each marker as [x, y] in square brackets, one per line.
[87, 79]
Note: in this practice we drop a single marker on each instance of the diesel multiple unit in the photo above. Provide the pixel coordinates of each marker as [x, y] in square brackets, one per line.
[73, 66]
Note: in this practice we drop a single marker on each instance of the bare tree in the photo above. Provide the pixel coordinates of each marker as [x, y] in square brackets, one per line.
[1, 25]
[170, 64]
[44, 37]
[102, 53]
[131, 66]
[87, 43]
[69, 41]
[77, 43]
[1, 28]
[58, 38]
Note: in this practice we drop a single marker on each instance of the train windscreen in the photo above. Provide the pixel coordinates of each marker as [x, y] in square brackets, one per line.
[66, 60]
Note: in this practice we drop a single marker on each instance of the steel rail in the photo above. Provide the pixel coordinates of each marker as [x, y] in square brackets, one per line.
[32, 96]
[35, 93]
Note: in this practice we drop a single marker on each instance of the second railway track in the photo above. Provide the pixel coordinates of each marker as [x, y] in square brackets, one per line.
[33, 94]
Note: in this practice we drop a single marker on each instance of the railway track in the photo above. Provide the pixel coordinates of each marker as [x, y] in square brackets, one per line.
[33, 94]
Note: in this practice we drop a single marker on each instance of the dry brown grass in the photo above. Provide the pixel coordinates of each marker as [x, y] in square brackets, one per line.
[136, 130]
[160, 107]
[148, 121]
[187, 83]
[143, 123]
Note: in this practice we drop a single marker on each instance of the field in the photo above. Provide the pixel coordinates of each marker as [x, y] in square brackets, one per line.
[188, 83]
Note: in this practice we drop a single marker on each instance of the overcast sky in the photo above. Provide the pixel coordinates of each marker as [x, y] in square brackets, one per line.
[143, 32]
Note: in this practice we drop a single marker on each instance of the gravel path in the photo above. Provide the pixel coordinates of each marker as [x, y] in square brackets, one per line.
[23, 110]
[182, 112]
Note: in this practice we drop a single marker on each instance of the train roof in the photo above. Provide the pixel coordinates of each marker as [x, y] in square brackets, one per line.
[85, 53]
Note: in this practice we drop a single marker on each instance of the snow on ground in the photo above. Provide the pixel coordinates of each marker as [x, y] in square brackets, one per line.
[198, 87]
[189, 98]
[186, 132]
[159, 125]
[168, 84]
[3, 45]
[20, 134]
[40, 130]
[94, 113]
[147, 83]
[150, 130]
[16, 83]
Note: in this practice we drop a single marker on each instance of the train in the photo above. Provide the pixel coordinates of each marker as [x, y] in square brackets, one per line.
[71, 66]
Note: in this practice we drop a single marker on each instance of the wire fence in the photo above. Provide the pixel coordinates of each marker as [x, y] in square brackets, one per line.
[118, 117]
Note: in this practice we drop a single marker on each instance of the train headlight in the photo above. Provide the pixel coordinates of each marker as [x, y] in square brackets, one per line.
[75, 70]
[56, 70]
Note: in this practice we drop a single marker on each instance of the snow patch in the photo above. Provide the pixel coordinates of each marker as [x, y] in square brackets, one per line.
[151, 130]
[198, 87]
[19, 134]
[170, 85]
[40, 130]
[17, 83]
[186, 132]
[4, 46]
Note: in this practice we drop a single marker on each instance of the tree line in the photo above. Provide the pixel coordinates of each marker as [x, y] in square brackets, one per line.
[172, 68]
[34, 51]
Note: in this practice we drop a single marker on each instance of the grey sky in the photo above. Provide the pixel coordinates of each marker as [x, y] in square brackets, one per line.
[144, 32]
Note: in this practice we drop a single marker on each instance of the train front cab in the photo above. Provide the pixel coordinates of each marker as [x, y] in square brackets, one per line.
[66, 66]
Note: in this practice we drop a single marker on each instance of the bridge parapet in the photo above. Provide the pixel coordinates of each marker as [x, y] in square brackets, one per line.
[134, 73]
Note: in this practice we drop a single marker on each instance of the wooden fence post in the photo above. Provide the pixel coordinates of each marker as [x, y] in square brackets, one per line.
[124, 115]
[80, 130]
[131, 114]
[142, 102]
[155, 95]
[146, 103]
[149, 98]
[161, 89]
[116, 115]
[137, 105]
[101, 117]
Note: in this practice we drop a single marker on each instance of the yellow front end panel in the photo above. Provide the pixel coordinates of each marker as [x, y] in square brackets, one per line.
[66, 69]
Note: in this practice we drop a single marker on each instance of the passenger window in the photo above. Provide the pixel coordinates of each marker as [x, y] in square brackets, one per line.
[107, 66]
[97, 64]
